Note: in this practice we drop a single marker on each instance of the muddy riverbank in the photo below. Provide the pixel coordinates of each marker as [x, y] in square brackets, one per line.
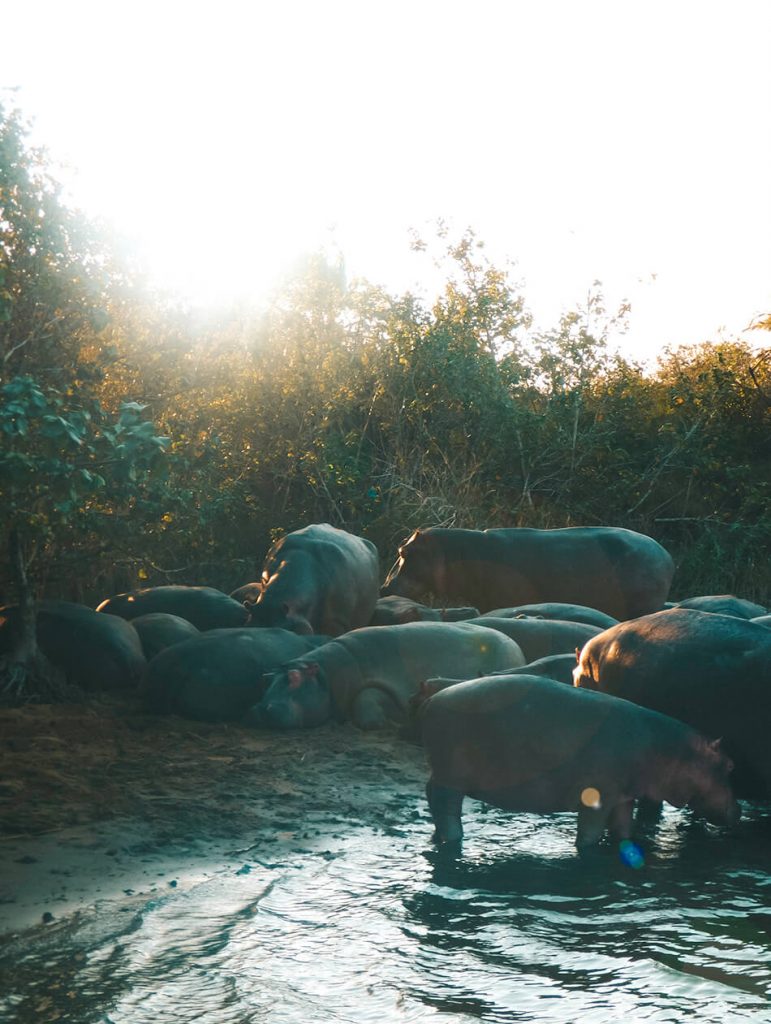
[100, 800]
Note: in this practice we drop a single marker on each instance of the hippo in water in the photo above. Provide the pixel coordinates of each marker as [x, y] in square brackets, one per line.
[318, 580]
[529, 744]
[368, 675]
[616, 571]
[709, 670]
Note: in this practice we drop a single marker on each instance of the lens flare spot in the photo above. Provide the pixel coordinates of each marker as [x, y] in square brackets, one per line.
[590, 797]
[631, 854]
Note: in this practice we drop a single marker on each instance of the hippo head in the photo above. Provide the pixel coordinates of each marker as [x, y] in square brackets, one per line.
[297, 697]
[418, 570]
[705, 787]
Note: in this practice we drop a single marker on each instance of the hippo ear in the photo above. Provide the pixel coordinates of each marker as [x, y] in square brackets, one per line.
[294, 677]
[410, 540]
[718, 748]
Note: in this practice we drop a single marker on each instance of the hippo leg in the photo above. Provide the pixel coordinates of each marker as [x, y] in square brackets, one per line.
[592, 822]
[445, 806]
[648, 811]
[368, 711]
[620, 820]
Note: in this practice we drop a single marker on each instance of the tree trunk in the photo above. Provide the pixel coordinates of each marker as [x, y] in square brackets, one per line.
[26, 675]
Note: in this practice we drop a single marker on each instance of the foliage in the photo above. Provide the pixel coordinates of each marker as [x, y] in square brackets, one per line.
[344, 403]
[69, 473]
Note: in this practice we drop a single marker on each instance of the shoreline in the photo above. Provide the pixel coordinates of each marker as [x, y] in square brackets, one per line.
[102, 802]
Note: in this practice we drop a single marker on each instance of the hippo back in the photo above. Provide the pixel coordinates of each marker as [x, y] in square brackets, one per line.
[541, 638]
[319, 580]
[159, 630]
[712, 671]
[95, 652]
[205, 607]
[218, 675]
[723, 604]
[619, 572]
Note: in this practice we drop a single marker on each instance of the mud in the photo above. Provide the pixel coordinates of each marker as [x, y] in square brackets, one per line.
[100, 800]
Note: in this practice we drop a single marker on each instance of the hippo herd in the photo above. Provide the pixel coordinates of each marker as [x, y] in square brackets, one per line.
[566, 682]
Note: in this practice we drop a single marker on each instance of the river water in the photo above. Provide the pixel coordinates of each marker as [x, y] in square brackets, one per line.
[375, 925]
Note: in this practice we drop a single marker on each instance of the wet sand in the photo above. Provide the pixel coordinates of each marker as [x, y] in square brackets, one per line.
[100, 801]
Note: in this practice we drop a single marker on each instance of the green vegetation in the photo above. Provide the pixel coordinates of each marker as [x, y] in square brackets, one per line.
[142, 446]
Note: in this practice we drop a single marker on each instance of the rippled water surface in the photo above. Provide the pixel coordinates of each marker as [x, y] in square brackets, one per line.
[379, 927]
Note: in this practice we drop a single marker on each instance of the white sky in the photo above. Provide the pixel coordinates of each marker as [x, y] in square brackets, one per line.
[582, 138]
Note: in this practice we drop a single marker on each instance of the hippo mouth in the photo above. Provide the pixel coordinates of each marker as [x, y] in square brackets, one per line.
[285, 714]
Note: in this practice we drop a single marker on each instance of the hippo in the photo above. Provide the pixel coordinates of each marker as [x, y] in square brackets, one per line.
[723, 604]
[540, 638]
[95, 652]
[368, 675]
[529, 744]
[248, 593]
[556, 610]
[218, 675]
[159, 630]
[762, 620]
[709, 670]
[318, 580]
[616, 571]
[392, 610]
[558, 667]
[205, 607]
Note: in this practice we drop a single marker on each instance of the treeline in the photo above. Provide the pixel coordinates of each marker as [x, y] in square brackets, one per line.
[141, 445]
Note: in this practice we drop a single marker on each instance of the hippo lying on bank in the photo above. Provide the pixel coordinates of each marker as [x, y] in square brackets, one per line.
[524, 743]
[95, 652]
[205, 607]
[219, 675]
[555, 610]
[616, 571]
[368, 675]
[159, 630]
[540, 638]
[395, 610]
[318, 580]
[723, 604]
[711, 671]
[557, 667]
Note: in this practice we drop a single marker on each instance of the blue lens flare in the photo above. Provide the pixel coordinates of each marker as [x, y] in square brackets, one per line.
[631, 854]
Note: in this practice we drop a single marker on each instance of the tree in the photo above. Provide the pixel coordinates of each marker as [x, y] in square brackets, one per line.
[70, 471]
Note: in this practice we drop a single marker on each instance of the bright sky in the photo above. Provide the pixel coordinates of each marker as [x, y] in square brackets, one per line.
[610, 139]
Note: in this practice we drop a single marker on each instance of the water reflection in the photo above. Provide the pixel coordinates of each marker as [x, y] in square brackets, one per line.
[383, 927]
